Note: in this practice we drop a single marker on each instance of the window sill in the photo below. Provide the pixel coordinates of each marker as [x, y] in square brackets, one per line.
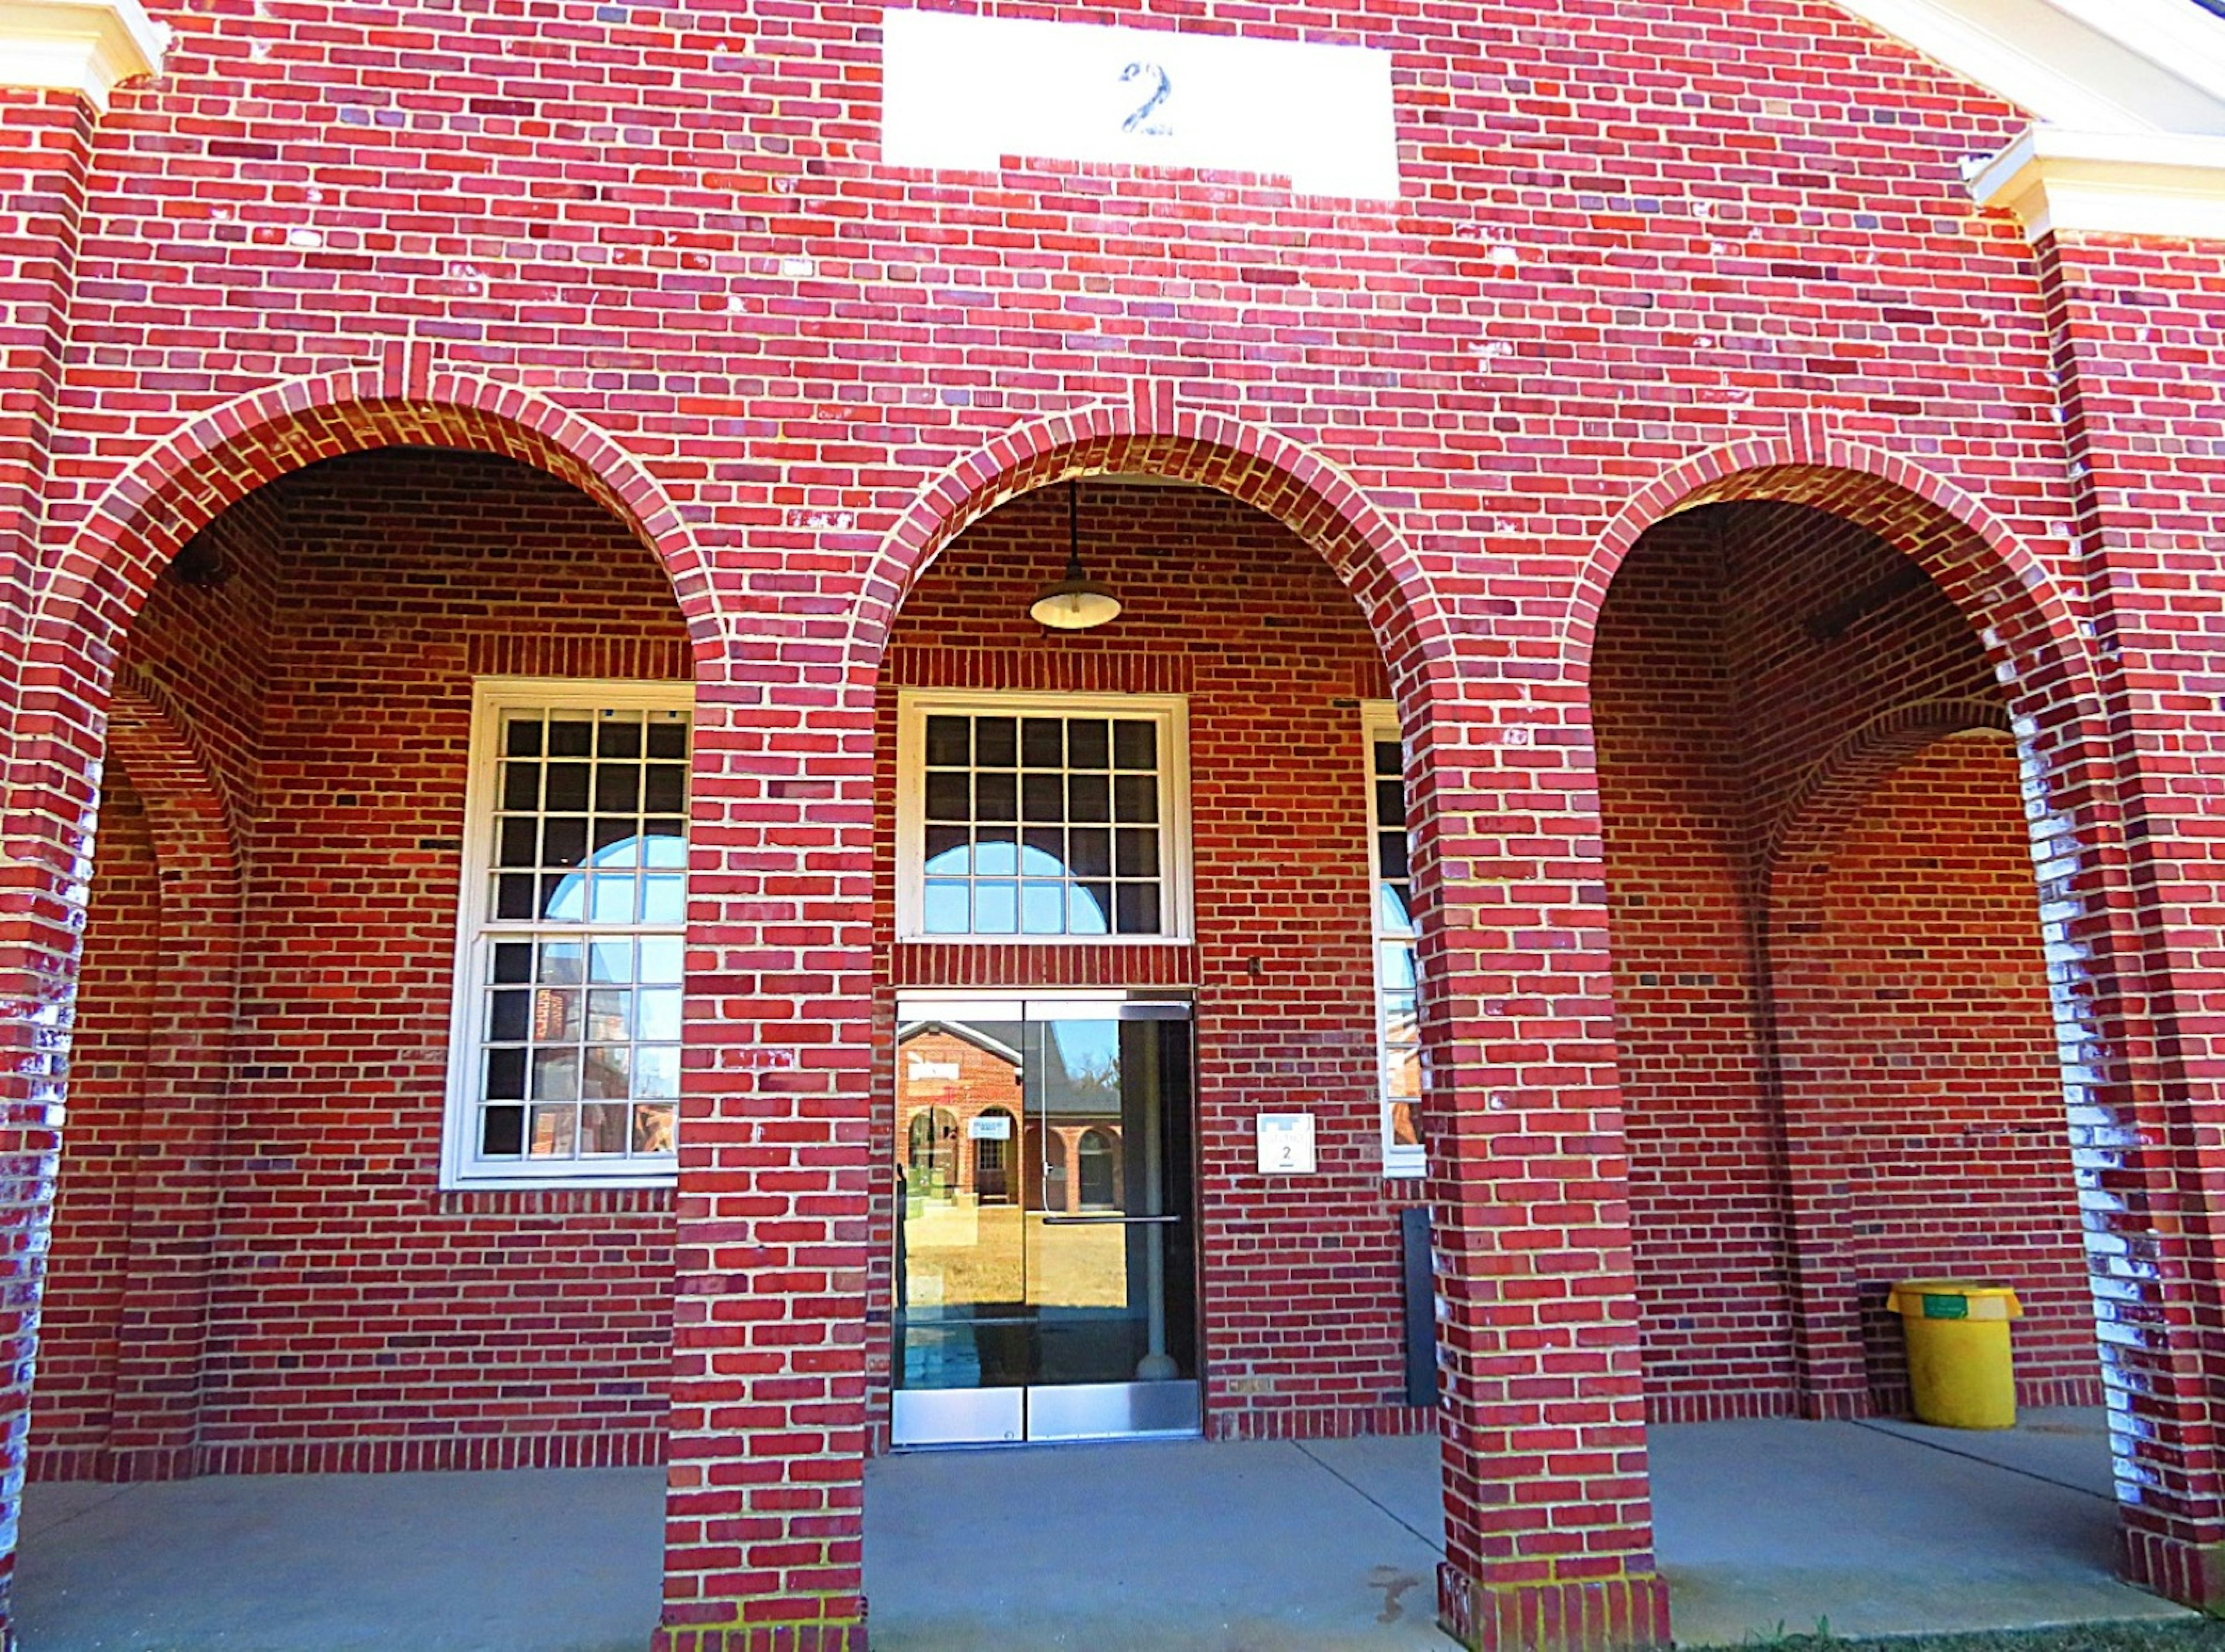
[1045, 940]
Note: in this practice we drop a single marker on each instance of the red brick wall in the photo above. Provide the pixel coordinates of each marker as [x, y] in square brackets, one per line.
[1913, 1018]
[1299, 1279]
[360, 1318]
[1707, 1189]
[1629, 237]
[89, 1267]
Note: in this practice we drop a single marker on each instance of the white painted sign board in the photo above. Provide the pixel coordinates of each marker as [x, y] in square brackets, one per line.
[1286, 1144]
[962, 93]
[991, 1127]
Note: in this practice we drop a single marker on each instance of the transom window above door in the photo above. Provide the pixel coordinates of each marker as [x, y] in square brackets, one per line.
[1042, 817]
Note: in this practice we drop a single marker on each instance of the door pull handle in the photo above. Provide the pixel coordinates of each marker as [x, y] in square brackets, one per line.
[1052, 1219]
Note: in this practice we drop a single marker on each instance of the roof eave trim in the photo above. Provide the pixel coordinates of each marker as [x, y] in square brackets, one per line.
[2108, 183]
[87, 46]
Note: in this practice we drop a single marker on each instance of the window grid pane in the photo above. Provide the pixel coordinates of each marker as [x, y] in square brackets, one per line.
[1041, 825]
[1398, 981]
[579, 1012]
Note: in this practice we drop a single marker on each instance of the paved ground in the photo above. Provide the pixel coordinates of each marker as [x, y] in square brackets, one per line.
[1314, 1546]
[1887, 1528]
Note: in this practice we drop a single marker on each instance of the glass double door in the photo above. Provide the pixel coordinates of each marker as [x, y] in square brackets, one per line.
[1046, 1246]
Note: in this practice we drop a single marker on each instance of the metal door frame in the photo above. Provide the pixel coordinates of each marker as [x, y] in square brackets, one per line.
[1066, 1413]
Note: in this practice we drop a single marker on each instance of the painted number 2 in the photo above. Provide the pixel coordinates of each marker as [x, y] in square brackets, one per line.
[1144, 121]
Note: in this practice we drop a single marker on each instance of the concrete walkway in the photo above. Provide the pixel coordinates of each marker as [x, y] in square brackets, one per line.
[1296, 1547]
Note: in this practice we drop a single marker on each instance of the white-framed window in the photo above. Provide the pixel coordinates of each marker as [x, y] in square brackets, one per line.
[1397, 977]
[564, 1046]
[1042, 817]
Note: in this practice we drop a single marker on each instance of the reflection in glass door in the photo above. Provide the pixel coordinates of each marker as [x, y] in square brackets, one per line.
[1046, 1269]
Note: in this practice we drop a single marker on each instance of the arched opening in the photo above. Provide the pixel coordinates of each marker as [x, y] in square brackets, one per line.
[1836, 1036]
[1133, 876]
[1099, 1172]
[437, 703]
[996, 1157]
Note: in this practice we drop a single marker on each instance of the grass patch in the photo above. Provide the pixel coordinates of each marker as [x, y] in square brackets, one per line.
[2182, 1635]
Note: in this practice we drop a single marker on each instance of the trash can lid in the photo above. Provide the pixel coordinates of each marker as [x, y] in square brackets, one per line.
[1953, 1299]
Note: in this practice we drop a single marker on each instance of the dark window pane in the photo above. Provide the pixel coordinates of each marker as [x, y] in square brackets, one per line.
[1135, 745]
[510, 1016]
[513, 961]
[1042, 797]
[502, 1132]
[667, 791]
[1390, 803]
[619, 739]
[996, 797]
[570, 739]
[1135, 799]
[1088, 745]
[667, 739]
[1390, 854]
[612, 832]
[946, 798]
[948, 744]
[996, 743]
[1136, 908]
[1386, 758]
[564, 841]
[1045, 853]
[514, 845]
[514, 896]
[1089, 797]
[1092, 851]
[521, 785]
[1043, 742]
[505, 1075]
[523, 737]
[617, 788]
[567, 785]
[604, 1128]
[946, 850]
[1138, 853]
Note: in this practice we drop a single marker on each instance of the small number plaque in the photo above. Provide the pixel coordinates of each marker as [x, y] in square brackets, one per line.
[1286, 1144]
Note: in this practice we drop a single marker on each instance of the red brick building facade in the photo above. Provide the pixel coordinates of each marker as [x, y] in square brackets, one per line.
[1729, 534]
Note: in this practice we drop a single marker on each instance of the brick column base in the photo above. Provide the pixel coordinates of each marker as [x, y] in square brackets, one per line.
[1626, 1614]
[2193, 1574]
[762, 1637]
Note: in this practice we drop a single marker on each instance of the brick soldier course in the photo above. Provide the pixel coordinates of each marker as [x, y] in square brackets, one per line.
[1789, 534]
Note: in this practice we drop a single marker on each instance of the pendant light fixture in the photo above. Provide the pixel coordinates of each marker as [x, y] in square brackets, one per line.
[1077, 602]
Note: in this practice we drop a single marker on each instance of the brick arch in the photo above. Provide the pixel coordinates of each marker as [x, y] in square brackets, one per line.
[163, 499]
[1993, 580]
[1833, 792]
[1289, 482]
[154, 1414]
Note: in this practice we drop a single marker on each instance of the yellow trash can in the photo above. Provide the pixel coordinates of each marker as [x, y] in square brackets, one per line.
[1958, 1351]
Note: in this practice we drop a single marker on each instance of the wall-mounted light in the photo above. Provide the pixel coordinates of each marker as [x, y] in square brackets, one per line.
[1077, 602]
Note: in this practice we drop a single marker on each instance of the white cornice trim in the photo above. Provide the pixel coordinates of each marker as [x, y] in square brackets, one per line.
[2094, 66]
[2112, 183]
[81, 45]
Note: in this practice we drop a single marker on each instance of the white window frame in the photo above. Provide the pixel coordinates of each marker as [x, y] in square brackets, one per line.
[1378, 722]
[1169, 711]
[477, 929]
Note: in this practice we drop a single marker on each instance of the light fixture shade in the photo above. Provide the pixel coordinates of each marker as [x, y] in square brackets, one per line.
[1075, 605]
[1077, 602]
